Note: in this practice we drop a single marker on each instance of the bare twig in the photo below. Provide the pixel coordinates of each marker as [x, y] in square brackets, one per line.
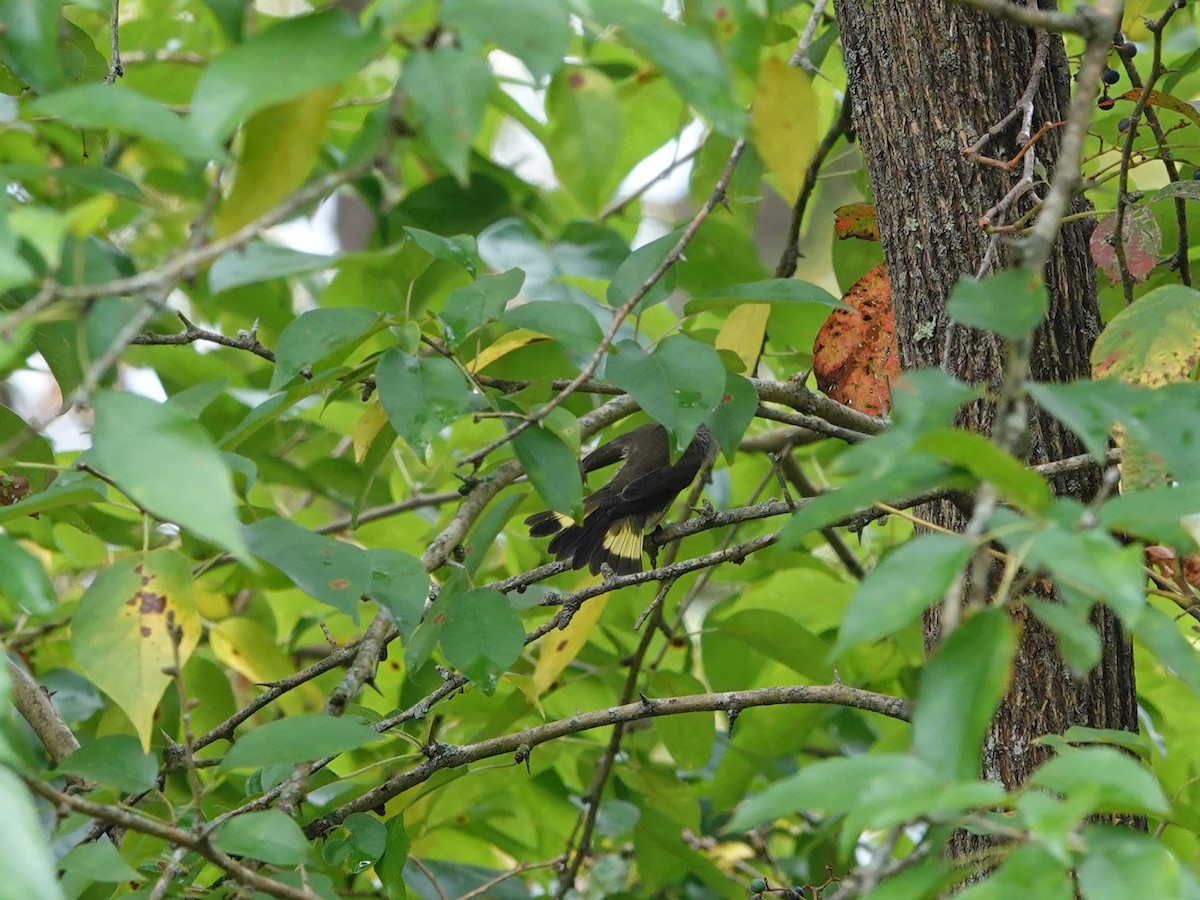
[115, 69]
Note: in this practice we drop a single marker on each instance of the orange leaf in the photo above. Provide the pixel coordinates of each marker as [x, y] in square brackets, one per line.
[1165, 101]
[857, 220]
[855, 357]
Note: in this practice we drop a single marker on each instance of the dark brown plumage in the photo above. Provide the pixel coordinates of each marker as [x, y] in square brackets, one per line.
[617, 516]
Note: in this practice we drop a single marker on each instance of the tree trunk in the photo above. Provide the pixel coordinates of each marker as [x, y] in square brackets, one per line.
[927, 78]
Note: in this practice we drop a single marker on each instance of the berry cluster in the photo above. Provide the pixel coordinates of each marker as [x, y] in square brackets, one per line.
[1110, 76]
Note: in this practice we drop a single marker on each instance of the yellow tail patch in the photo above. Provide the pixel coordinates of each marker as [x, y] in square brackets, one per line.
[624, 541]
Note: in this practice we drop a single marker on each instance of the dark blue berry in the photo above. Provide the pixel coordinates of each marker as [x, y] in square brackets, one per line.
[1106, 102]
[1196, 175]
[1110, 76]
[1124, 124]
[1128, 50]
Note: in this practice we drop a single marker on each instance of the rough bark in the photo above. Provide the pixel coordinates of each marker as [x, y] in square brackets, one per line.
[927, 78]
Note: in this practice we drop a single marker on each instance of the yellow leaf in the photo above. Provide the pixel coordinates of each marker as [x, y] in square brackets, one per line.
[246, 647]
[120, 634]
[83, 219]
[744, 331]
[367, 428]
[280, 145]
[513, 340]
[783, 123]
[559, 648]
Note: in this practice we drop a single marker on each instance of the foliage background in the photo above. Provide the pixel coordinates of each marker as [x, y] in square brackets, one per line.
[208, 586]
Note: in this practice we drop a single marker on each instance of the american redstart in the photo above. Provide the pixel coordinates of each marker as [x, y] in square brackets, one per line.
[616, 517]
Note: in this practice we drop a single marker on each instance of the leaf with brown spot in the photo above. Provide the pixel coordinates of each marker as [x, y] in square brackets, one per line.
[856, 220]
[1164, 100]
[1143, 243]
[855, 357]
[553, 658]
[121, 632]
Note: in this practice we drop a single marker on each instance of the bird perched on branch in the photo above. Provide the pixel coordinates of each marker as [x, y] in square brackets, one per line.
[616, 517]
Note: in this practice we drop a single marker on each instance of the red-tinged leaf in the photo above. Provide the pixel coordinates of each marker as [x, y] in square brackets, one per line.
[857, 220]
[1143, 243]
[855, 357]
[1165, 101]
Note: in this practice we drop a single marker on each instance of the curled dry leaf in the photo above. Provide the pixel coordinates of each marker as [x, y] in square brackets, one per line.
[855, 357]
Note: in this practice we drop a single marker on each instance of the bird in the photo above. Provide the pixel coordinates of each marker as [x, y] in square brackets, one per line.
[617, 516]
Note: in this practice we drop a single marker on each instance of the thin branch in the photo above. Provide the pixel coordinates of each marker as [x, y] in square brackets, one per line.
[842, 125]
[246, 340]
[115, 69]
[127, 819]
[1084, 21]
[445, 756]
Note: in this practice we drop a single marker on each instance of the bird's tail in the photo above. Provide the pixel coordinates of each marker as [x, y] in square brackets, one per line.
[600, 540]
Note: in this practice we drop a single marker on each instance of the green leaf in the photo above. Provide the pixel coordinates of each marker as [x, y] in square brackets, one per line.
[637, 269]
[1154, 515]
[98, 861]
[263, 71]
[483, 635]
[261, 261]
[68, 490]
[961, 687]
[124, 615]
[911, 476]
[1094, 563]
[29, 869]
[120, 109]
[400, 585]
[568, 323]
[734, 414]
[23, 580]
[901, 587]
[30, 46]
[280, 146]
[987, 462]
[1121, 863]
[1118, 780]
[481, 301]
[832, 786]
[1089, 408]
[116, 760]
[167, 464]
[771, 290]
[390, 868]
[1153, 341]
[1078, 642]
[421, 395]
[537, 32]
[552, 466]
[317, 334]
[269, 836]
[334, 572]
[680, 383]
[448, 88]
[688, 738]
[584, 135]
[296, 739]
[1160, 633]
[1028, 872]
[459, 250]
[1012, 303]
[684, 54]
